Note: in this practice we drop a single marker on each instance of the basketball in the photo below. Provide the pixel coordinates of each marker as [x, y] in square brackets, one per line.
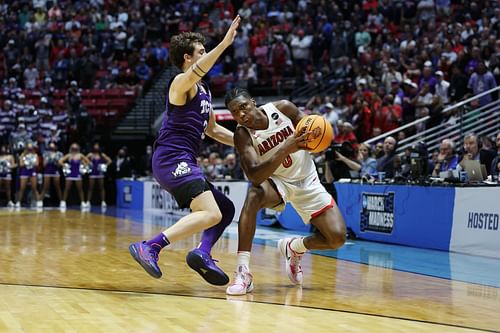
[321, 129]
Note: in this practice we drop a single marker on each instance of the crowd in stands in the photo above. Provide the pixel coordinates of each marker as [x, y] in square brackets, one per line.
[57, 58]
[66, 64]
[375, 64]
[397, 61]
[381, 162]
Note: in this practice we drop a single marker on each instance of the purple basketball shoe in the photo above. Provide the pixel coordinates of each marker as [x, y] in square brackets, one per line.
[146, 257]
[203, 263]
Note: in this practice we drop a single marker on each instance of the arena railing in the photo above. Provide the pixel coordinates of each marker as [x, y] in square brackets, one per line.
[481, 121]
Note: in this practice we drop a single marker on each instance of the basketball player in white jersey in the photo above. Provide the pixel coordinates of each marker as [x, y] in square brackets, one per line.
[280, 170]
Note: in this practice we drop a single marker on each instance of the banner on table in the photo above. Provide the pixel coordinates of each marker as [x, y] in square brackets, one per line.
[476, 220]
[399, 214]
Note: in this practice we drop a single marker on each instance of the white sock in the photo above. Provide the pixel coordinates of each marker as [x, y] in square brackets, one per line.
[244, 259]
[297, 245]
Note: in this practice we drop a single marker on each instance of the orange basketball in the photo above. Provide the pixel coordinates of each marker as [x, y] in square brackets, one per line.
[321, 129]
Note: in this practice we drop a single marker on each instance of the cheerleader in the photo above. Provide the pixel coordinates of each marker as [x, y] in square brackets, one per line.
[28, 163]
[100, 163]
[7, 163]
[76, 160]
[51, 174]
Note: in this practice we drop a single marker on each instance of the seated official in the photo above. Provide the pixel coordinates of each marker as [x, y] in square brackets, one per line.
[447, 159]
[473, 152]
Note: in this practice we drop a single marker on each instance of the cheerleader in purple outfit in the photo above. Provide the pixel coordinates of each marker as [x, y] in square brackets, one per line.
[7, 163]
[28, 163]
[51, 174]
[97, 158]
[74, 158]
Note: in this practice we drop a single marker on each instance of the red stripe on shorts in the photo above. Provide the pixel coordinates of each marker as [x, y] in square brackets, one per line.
[323, 209]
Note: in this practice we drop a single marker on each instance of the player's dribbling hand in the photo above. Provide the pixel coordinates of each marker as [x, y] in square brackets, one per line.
[231, 32]
[298, 141]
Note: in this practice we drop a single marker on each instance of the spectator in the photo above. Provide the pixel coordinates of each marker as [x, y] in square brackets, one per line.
[279, 56]
[241, 48]
[473, 151]
[442, 87]
[232, 169]
[379, 150]
[446, 159]
[427, 77]
[346, 134]
[386, 162]
[122, 165]
[214, 168]
[143, 71]
[301, 44]
[458, 85]
[73, 99]
[368, 163]
[31, 77]
[390, 75]
[482, 80]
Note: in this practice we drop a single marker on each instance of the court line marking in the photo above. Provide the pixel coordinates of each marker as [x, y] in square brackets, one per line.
[250, 301]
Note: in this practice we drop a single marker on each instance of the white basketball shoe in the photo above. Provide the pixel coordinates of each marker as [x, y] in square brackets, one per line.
[242, 282]
[292, 260]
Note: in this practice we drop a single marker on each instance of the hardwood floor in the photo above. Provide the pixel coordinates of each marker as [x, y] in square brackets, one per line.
[71, 272]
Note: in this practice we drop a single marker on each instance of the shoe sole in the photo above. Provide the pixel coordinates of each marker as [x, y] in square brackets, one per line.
[248, 290]
[282, 250]
[211, 276]
[135, 254]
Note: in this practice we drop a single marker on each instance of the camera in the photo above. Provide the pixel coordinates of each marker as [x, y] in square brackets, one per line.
[344, 148]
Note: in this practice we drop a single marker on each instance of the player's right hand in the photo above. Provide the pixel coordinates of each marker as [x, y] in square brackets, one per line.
[231, 32]
[298, 141]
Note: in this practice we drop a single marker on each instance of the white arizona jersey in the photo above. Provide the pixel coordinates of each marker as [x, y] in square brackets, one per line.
[296, 166]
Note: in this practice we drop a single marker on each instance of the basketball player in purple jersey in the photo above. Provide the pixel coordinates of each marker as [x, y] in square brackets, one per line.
[281, 170]
[188, 118]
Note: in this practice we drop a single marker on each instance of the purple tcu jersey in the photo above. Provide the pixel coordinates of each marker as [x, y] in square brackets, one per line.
[179, 139]
[184, 126]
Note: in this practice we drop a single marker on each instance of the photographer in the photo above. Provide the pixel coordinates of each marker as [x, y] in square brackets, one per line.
[340, 162]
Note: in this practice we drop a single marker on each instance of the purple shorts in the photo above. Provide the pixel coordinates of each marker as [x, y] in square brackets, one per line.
[171, 174]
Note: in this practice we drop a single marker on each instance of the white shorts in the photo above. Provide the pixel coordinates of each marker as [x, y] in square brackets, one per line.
[308, 196]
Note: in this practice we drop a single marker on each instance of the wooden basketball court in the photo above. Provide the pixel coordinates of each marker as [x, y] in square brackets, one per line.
[71, 272]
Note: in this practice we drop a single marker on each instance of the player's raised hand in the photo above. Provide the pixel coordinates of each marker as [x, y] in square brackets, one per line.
[231, 32]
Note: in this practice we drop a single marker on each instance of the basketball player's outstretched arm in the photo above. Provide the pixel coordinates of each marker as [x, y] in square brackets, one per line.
[218, 132]
[185, 81]
[256, 171]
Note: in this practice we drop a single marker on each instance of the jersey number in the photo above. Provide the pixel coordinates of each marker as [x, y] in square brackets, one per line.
[287, 162]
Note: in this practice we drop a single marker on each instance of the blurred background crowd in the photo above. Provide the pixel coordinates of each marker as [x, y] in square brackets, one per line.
[366, 66]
